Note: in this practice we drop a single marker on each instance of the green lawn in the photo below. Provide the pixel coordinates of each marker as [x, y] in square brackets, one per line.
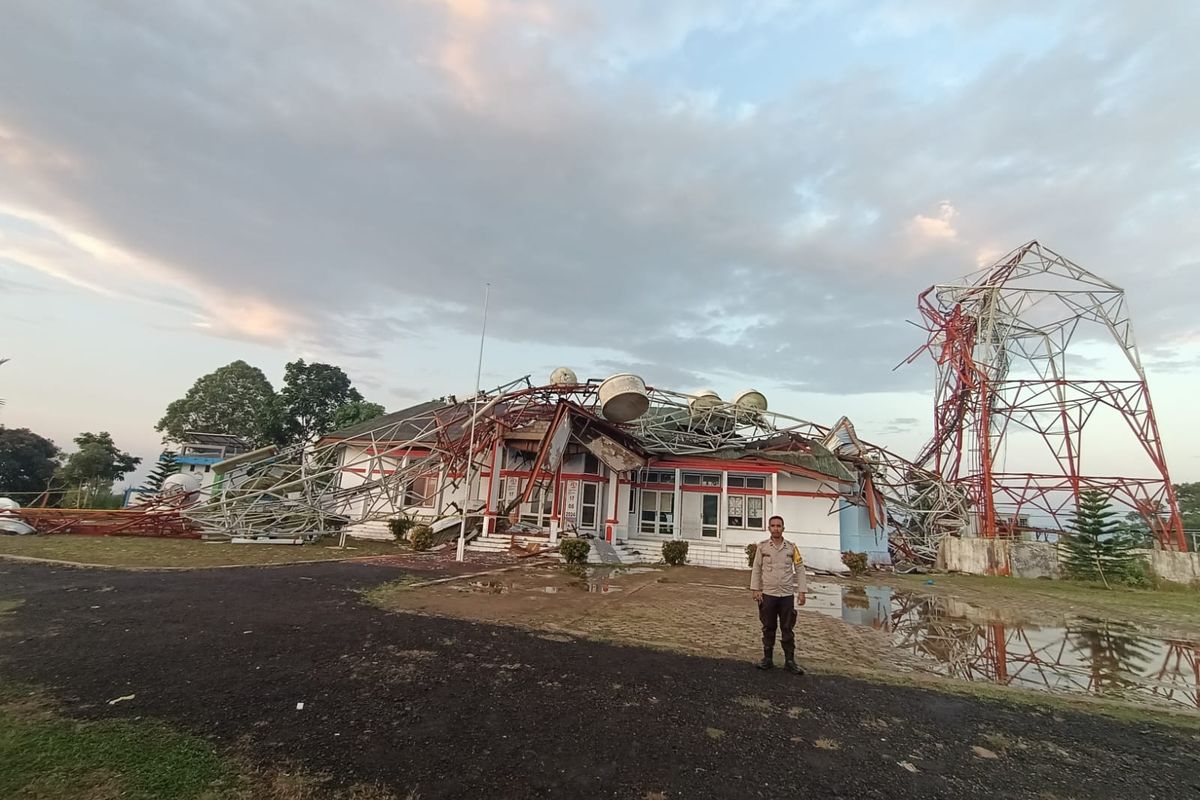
[44, 756]
[129, 551]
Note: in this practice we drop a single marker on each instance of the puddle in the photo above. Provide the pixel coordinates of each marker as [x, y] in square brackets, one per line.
[1081, 655]
[593, 580]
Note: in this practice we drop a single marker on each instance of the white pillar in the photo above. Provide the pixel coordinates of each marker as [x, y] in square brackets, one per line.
[723, 508]
[677, 511]
[614, 489]
[555, 506]
[774, 494]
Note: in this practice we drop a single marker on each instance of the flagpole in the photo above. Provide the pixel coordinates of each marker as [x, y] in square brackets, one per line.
[462, 529]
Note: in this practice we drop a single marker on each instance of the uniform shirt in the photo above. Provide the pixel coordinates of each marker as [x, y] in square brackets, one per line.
[778, 571]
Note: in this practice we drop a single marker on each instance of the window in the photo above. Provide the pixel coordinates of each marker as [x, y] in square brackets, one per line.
[659, 476]
[701, 479]
[591, 464]
[420, 491]
[658, 512]
[736, 513]
[747, 482]
[745, 511]
[755, 511]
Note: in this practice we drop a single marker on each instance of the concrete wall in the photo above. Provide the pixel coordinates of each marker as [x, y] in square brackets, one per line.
[1040, 559]
[1177, 567]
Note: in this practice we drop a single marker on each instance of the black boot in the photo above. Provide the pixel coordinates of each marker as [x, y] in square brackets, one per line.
[791, 666]
[767, 662]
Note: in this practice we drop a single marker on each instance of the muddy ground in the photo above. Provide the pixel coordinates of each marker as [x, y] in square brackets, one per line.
[693, 610]
[453, 708]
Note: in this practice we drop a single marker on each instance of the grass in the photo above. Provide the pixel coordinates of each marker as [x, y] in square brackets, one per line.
[44, 756]
[129, 551]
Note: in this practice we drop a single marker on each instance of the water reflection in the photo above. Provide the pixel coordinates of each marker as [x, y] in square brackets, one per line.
[1083, 655]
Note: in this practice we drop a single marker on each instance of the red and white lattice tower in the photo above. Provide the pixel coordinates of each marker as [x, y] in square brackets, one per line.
[1014, 344]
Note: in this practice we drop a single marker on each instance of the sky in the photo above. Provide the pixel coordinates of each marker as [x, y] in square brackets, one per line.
[707, 194]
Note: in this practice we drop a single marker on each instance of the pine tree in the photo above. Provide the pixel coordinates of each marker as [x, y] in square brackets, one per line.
[165, 467]
[1095, 549]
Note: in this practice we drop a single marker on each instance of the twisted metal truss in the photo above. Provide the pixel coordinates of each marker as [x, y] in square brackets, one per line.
[1002, 339]
[299, 491]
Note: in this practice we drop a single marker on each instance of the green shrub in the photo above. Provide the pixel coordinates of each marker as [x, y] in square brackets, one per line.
[400, 526]
[1137, 574]
[421, 537]
[675, 552]
[575, 551]
[751, 552]
[856, 562]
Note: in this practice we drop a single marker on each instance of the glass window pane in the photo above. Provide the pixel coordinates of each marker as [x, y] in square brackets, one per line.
[756, 483]
[754, 511]
[691, 480]
[736, 481]
[735, 510]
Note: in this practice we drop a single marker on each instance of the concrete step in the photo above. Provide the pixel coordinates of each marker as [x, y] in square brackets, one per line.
[372, 529]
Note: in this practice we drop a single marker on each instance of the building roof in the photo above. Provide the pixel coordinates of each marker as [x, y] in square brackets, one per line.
[221, 439]
[402, 433]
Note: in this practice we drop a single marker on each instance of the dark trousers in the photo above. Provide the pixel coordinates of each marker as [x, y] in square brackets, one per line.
[778, 612]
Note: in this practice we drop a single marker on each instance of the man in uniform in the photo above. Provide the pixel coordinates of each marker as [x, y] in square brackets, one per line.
[778, 584]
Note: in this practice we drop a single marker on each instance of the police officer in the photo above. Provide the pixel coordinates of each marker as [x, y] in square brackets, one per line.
[778, 583]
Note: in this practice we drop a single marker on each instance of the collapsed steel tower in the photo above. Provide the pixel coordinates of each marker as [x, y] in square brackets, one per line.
[300, 490]
[1006, 340]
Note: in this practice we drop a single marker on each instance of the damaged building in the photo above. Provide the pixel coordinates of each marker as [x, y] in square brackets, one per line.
[626, 466]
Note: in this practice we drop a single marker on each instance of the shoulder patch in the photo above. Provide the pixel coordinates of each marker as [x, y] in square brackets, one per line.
[796, 557]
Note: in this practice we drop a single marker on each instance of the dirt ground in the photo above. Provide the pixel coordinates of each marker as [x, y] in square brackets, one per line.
[693, 610]
[450, 708]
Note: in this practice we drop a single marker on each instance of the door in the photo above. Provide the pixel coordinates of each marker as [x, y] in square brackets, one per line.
[589, 504]
[709, 510]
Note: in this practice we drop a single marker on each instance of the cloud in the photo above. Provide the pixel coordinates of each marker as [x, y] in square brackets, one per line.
[899, 425]
[940, 226]
[349, 185]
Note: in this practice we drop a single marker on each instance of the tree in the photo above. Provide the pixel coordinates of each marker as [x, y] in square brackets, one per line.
[92, 469]
[1095, 549]
[311, 394]
[163, 469]
[236, 399]
[355, 412]
[1188, 497]
[27, 461]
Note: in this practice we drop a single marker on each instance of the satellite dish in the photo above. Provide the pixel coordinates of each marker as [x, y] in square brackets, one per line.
[704, 400]
[750, 400]
[564, 376]
[181, 483]
[623, 397]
